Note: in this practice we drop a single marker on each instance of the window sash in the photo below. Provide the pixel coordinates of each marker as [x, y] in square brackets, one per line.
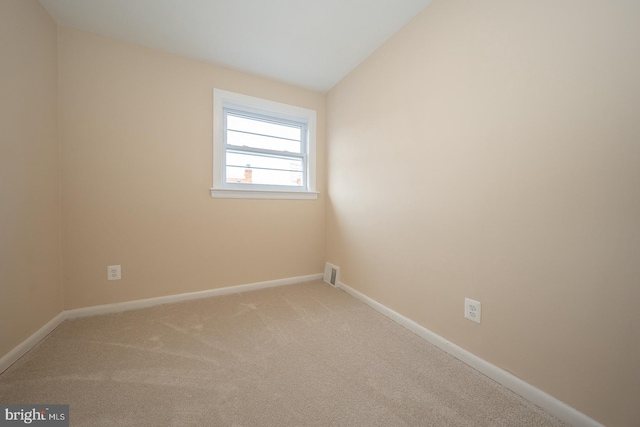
[276, 154]
[277, 110]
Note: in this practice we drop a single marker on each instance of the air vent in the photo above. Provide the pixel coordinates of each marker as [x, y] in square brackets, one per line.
[331, 274]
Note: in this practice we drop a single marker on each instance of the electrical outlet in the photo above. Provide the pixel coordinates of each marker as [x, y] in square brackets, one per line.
[472, 310]
[114, 272]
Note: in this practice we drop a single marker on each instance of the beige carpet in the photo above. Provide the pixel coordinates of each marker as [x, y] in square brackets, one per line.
[299, 355]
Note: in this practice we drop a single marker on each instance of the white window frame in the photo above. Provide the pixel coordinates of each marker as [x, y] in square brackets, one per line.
[223, 99]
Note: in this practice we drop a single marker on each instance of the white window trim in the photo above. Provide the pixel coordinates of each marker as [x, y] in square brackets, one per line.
[223, 98]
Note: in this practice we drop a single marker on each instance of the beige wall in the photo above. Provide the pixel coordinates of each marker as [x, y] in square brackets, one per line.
[136, 137]
[30, 287]
[491, 150]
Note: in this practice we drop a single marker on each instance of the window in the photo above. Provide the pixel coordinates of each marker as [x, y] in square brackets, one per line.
[262, 149]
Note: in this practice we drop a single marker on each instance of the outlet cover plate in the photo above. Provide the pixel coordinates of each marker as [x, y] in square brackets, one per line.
[472, 310]
[114, 272]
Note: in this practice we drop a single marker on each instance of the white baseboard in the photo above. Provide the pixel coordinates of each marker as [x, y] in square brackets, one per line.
[150, 302]
[26, 345]
[21, 349]
[534, 395]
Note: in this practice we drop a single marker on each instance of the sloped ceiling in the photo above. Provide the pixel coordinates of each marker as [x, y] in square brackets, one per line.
[309, 43]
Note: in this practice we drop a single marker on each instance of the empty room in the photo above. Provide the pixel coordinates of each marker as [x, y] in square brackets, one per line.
[320, 213]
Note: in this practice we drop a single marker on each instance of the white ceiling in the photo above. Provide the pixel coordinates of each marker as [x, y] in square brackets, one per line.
[309, 43]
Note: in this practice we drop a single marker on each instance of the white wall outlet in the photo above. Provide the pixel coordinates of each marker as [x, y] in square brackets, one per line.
[114, 272]
[472, 310]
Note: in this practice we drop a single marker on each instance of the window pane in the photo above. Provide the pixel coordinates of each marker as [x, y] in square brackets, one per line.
[263, 176]
[264, 142]
[262, 127]
[261, 169]
[263, 162]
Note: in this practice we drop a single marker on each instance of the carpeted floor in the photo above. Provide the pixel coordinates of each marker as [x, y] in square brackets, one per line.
[299, 355]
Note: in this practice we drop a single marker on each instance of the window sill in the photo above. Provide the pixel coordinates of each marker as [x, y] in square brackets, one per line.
[218, 193]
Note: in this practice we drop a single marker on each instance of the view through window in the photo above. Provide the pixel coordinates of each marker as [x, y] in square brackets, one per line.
[264, 150]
